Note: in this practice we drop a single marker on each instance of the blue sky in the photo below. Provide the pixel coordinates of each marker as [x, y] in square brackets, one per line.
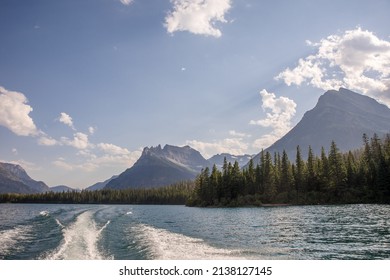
[85, 85]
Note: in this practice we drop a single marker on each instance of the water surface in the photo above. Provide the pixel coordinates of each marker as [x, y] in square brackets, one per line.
[41, 231]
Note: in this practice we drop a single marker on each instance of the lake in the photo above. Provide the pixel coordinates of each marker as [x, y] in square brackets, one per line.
[48, 231]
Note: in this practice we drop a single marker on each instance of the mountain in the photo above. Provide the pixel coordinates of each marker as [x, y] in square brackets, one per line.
[100, 185]
[14, 179]
[343, 116]
[219, 158]
[160, 167]
[62, 188]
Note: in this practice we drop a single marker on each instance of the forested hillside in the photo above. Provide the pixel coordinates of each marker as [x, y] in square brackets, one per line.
[361, 176]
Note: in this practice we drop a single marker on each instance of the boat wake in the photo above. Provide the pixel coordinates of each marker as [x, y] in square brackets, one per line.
[80, 240]
[165, 245]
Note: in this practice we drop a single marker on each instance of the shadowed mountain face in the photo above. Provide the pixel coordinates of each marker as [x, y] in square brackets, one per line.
[160, 167]
[14, 179]
[343, 116]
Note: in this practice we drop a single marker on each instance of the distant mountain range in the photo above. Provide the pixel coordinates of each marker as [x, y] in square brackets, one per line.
[219, 159]
[62, 188]
[160, 167]
[342, 116]
[100, 185]
[14, 179]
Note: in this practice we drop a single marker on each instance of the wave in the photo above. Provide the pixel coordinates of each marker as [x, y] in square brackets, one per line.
[80, 240]
[10, 239]
[165, 245]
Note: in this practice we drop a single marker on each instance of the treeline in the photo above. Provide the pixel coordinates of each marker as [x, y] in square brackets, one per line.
[176, 194]
[361, 176]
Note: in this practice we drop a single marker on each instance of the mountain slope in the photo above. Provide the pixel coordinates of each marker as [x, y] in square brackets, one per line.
[160, 167]
[343, 116]
[14, 179]
[100, 185]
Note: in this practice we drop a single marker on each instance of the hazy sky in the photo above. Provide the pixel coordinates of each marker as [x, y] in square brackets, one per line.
[86, 84]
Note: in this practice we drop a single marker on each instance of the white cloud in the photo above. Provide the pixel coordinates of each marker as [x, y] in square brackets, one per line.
[357, 60]
[113, 149]
[66, 119]
[238, 134]
[282, 110]
[127, 2]
[265, 141]
[197, 16]
[14, 113]
[234, 146]
[45, 140]
[79, 141]
[92, 162]
[124, 160]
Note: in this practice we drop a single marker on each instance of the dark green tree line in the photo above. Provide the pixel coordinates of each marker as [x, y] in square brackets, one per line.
[361, 176]
[173, 194]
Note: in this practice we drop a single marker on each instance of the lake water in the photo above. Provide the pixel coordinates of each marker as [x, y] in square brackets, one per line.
[40, 231]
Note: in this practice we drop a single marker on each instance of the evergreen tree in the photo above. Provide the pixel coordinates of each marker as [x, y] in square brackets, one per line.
[312, 179]
[337, 171]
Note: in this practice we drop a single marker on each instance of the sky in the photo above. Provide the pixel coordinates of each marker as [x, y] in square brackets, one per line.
[85, 85]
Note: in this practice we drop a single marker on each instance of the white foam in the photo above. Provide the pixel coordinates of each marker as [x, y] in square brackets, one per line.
[129, 213]
[59, 224]
[10, 238]
[44, 213]
[165, 245]
[80, 240]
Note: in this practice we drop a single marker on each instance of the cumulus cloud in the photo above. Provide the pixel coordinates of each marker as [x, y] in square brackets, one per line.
[197, 16]
[357, 60]
[66, 119]
[14, 113]
[79, 141]
[280, 112]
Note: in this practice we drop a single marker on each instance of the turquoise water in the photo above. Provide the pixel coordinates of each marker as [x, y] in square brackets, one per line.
[40, 231]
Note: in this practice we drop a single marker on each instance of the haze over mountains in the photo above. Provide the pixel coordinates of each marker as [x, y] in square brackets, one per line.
[343, 116]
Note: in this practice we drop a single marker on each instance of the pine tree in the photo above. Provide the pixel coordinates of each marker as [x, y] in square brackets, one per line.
[312, 179]
[269, 178]
[337, 171]
[215, 185]
[299, 175]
